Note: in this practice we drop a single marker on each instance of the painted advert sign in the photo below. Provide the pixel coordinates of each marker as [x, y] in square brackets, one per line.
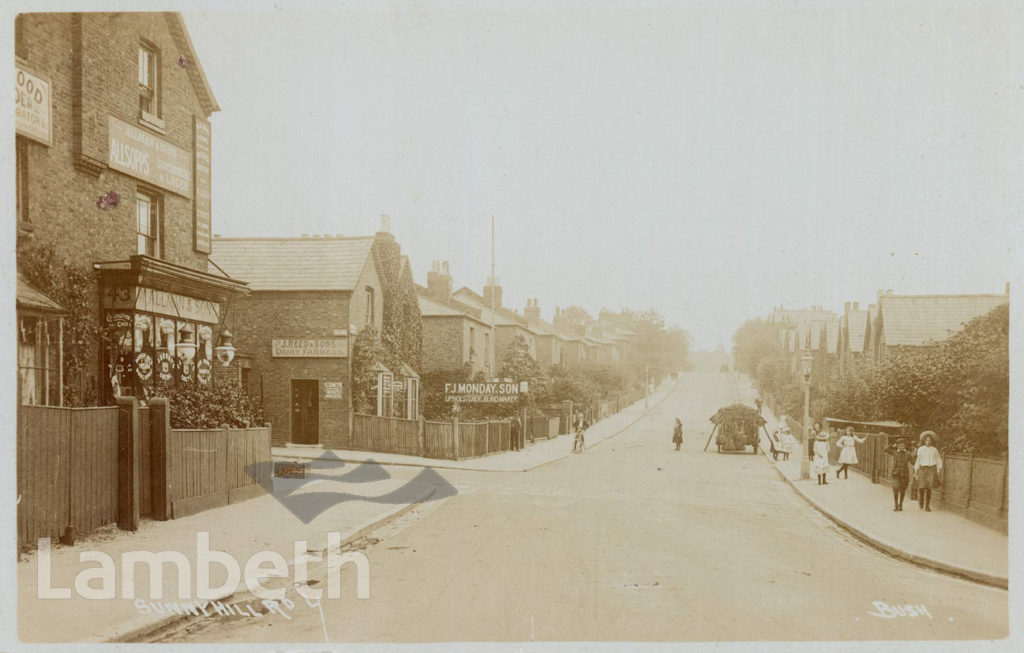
[201, 207]
[332, 390]
[310, 348]
[161, 302]
[33, 108]
[138, 153]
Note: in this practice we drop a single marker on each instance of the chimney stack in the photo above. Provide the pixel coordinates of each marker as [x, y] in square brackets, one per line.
[492, 292]
[439, 283]
[385, 228]
[856, 306]
[560, 320]
[532, 312]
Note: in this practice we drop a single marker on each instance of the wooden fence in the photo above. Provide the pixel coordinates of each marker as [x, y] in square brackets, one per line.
[482, 438]
[215, 467]
[87, 467]
[387, 434]
[439, 439]
[66, 470]
[545, 427]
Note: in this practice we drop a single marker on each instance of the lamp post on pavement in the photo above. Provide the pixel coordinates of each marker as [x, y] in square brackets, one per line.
[806, 363]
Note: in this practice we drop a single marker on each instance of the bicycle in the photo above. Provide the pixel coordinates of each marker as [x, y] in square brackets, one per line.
[577, 443]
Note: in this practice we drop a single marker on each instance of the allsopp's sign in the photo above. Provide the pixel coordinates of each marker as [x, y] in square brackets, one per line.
[142, 155]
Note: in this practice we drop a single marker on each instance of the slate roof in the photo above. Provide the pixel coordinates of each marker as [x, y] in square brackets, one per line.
[914, 320]
[502, 316]
[856, 327]
[28, 297]
[432, 308]
[329, 263]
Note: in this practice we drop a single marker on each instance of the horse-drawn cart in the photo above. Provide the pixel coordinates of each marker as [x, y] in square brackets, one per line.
[736, 427]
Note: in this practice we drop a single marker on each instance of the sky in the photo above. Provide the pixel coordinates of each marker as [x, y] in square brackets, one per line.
[710, 161]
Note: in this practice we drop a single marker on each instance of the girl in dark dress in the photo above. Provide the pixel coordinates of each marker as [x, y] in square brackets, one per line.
[901, 461]
[677, 434]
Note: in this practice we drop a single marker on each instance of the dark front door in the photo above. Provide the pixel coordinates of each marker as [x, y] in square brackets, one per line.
[305, 412]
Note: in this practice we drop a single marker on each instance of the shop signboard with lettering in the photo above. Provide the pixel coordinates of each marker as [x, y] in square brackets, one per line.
[309, 348]
[136, 152]
[201, 207]
[33, 105]
[332, 390]
[161, 302]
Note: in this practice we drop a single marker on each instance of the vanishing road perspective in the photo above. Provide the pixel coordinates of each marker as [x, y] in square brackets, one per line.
[630, 540]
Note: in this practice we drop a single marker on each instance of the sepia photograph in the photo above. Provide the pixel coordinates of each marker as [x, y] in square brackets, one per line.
[612, 325]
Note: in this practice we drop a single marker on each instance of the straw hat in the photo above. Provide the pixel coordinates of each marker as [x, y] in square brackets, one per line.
[935, 438]
[822, 435]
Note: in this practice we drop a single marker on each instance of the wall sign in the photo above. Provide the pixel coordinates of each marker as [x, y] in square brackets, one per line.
[161, 302]
[33, 106]
[140, 154]
[332, 390]
[201, 207]
[310, 348]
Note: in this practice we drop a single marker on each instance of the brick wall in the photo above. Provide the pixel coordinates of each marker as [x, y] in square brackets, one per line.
[96, 55]
[263, 316]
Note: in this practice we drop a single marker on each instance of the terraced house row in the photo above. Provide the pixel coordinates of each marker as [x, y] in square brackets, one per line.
[123, 289]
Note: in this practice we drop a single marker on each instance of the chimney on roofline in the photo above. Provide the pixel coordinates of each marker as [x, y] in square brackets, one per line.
[561, 321]
[385, 228]
[439, 282]
[532, 312]
[1007, 291]
[856, 306]
[492, 292]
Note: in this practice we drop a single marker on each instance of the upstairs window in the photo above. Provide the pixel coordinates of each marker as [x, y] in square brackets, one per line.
[147, 210]
[148, 80]
[369, 307]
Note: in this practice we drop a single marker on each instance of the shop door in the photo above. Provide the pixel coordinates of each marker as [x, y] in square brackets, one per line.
[305, 412]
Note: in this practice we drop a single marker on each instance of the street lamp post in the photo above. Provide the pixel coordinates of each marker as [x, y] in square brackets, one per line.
[806, 363]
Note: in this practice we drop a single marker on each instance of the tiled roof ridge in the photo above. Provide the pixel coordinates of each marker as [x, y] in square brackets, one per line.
[309, 239]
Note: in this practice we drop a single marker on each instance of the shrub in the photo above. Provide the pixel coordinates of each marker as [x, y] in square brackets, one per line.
[205, 407]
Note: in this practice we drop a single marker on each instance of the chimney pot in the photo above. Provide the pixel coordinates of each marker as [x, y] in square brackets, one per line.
[385, 223]
[856, 306]
[444, 267]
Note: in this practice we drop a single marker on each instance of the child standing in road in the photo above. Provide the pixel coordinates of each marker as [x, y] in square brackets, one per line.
[677, 434]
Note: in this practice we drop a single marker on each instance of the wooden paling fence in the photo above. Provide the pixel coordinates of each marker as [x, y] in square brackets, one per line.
[386, 434]
[82, 468]
[66, 459]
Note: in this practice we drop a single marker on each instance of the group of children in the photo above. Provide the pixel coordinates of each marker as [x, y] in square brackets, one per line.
[923, 464]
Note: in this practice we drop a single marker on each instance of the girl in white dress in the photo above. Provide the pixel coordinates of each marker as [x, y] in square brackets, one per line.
[821, 454]
[927, 468]
[848, 451]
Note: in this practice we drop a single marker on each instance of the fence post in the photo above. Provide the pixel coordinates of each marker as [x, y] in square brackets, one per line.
[487, 438]
[455, 437]
[127, 472]
[421, 435]
[160, 462]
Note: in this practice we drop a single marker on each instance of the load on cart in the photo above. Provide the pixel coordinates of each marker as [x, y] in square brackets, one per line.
[736, 427]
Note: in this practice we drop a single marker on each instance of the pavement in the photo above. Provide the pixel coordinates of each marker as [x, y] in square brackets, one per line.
[537, 453]
[940, 539]
[632, 541]
[341, 499]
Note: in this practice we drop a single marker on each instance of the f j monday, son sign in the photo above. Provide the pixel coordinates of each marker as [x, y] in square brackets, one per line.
[486, 392]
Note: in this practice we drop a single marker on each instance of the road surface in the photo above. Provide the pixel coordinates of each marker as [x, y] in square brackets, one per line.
[628, 541]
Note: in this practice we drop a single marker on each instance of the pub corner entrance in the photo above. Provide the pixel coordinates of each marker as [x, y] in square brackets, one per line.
[305, 409]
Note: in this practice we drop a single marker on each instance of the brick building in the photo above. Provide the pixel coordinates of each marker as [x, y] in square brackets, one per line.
[508, 325]
[112, 155]
[310, 297]
[455, 334]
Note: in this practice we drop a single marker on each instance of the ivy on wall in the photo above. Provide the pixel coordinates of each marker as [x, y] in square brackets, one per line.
[74, 288]
[400, 339]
